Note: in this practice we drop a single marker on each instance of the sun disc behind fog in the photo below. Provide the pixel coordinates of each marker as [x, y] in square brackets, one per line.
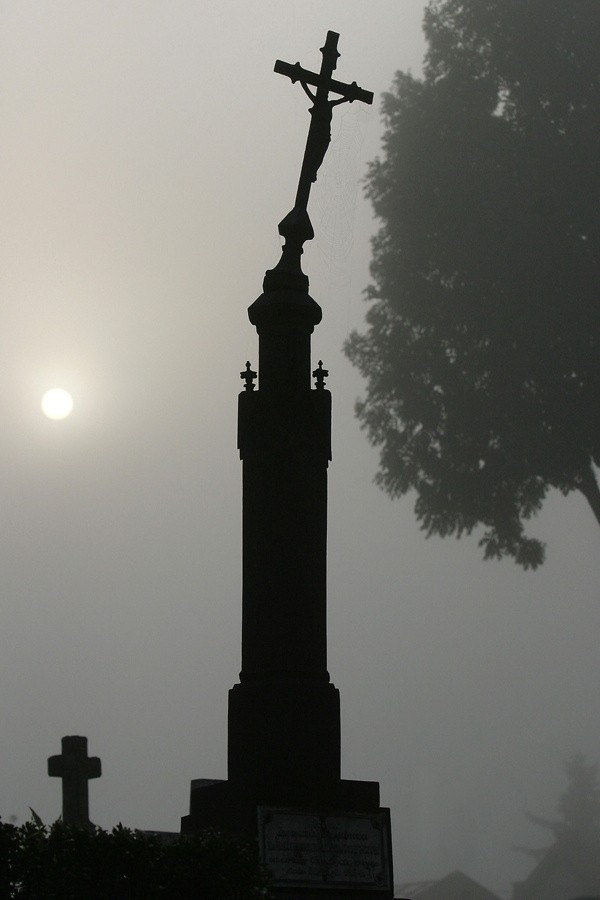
[57, 403]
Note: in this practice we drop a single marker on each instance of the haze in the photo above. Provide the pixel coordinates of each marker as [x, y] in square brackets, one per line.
[148, 152]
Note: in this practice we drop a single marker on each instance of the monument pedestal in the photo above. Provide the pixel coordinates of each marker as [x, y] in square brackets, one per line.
[283, 751]
[320, 835]
[327, 841]
[233, 808]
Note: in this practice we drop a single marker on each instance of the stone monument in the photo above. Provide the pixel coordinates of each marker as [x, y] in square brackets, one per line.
[75, 768]
[320, 834]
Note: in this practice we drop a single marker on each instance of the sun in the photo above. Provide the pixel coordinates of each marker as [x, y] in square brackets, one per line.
[57, 403]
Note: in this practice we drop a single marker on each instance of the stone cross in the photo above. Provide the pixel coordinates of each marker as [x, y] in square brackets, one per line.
[296, 227]
[75, 768]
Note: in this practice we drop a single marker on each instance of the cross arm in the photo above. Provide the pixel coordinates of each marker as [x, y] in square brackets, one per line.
[296, 72]
[89, 767]
[94, 767]
[55, 766]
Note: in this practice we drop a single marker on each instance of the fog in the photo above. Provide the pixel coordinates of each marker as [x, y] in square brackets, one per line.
[148, 153]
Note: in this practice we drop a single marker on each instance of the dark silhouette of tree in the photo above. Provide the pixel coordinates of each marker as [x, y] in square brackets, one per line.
[482, 350]
[579, 808]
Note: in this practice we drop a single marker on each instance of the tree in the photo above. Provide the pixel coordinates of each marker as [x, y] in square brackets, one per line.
[482, 350]
[579, 808]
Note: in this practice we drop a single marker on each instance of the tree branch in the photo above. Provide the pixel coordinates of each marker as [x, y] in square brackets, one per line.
[588, 486]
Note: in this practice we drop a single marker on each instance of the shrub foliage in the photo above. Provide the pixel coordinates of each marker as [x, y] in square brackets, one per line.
[59, 862]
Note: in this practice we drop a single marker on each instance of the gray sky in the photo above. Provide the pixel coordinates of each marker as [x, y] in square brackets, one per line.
[148, 152]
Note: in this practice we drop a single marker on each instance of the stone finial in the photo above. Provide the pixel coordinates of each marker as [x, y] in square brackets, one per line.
[248, 376]
[320, 374]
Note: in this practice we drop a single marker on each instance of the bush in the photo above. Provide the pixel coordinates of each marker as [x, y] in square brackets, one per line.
[59, 862]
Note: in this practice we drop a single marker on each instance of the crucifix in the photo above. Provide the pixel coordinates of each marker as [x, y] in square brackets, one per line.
[296, 227]
[75, 768]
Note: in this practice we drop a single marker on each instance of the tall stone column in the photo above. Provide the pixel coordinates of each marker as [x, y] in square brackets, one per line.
[284, 724]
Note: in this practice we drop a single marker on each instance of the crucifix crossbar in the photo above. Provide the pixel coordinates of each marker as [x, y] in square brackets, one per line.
[75, 768]
[296, 227]
[296, 72]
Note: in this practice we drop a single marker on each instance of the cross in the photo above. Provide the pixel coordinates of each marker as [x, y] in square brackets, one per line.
[319, 133]
[75, 768]
[296, 227]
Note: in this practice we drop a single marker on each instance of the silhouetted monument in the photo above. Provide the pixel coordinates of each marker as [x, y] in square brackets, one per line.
[75, 768]
[317, 830]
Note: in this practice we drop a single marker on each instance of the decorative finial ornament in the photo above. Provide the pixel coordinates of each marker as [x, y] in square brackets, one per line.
[320, 374]
[248, 376]
[296, 227]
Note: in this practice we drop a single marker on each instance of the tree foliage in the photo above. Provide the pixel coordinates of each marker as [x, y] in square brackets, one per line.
[482, 349]
[65, 863]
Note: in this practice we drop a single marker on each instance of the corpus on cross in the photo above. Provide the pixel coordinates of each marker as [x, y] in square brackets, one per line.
[296, 226]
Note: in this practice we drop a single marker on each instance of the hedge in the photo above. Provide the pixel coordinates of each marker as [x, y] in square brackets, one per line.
[59, 862]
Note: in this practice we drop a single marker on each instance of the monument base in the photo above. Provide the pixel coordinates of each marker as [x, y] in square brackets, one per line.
[232, 808]
[328, 843]
[284, 767]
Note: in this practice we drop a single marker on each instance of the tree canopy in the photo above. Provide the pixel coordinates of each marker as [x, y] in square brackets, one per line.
[482, 349]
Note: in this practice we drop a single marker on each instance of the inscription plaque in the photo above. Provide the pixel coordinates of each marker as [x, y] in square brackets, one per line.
[314, 849]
